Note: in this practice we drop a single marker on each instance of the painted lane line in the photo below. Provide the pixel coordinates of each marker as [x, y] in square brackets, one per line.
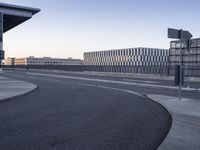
[117, 89]
[112, 81]
[141, 81]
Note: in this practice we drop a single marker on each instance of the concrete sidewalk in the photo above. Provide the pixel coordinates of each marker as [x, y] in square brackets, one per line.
[10, 88]
[185, 131]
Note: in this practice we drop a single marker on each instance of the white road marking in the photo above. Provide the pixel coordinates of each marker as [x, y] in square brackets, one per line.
[113, 81]
[141, 81]
[111, 88]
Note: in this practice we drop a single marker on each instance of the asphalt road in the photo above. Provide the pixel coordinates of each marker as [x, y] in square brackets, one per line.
[78, 114]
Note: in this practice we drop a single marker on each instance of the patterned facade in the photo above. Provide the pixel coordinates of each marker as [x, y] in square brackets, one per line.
[136, 60]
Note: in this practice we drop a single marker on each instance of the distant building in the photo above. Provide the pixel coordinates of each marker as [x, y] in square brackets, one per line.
[21, 61]
[191, 58]
[9, 61]
[132, 60]
[46, 61]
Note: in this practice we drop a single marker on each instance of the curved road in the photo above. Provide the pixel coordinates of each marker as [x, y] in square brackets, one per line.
[77, 114]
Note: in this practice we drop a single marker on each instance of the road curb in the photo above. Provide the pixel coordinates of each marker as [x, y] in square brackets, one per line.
[23, 94]
[184, 132]
[168, 110]
[32, 88]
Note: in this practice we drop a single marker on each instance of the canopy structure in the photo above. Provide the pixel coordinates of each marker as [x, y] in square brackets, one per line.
[10, 17]
[14, 15]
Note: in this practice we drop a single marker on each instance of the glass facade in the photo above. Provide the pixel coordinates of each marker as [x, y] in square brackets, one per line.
[190, 59]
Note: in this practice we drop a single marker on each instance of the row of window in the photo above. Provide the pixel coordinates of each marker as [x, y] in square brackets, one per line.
[185, 44]
[57, 62]
[127, 59]
[52, 60]
[192, 51]
[127, 52]
[52, 63]
[184, 58]
[194, 64]
[128, 63]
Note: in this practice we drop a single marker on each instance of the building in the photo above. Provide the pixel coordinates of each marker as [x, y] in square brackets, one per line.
[20, 61]
[9, 61]
[47, 61]
[10, 17]
[190, 59]
[132, 60]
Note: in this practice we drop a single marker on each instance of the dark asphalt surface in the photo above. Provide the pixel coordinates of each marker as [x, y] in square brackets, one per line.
[66, 114]
[146, 90]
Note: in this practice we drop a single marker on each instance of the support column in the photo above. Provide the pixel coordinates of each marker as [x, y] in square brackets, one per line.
[1, 40]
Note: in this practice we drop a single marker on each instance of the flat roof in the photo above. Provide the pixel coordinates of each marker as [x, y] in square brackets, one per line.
[13, 15]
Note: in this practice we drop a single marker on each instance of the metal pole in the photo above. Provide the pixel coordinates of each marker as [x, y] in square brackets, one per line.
[180, 63]
[1, 37]
[188, 78]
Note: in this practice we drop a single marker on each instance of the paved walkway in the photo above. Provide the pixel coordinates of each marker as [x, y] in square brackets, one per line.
[10, 88]
[185, 131]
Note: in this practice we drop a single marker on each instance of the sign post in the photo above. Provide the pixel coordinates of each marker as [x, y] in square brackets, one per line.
[188, 64]
[181, 35]
[1, 40]
[181, 66]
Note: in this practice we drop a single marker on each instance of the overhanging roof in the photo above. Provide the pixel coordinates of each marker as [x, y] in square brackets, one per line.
[14, 15]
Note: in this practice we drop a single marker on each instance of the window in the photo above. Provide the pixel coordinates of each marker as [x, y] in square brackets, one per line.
[130, 52]
[133, 51]
[193, 43]
[198, 42]
[177, 45]
[173, 45]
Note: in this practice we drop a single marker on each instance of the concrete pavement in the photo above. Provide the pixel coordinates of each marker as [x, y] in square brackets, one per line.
[185, 130]
[10, 88]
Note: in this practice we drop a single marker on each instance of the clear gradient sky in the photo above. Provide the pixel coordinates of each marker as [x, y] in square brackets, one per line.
[67, 28]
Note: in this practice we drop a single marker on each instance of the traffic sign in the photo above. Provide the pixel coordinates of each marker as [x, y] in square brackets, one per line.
[173, 33]
[186, 35]
[179, 34]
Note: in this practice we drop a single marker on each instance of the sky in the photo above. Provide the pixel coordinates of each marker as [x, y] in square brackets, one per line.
[67, 28]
